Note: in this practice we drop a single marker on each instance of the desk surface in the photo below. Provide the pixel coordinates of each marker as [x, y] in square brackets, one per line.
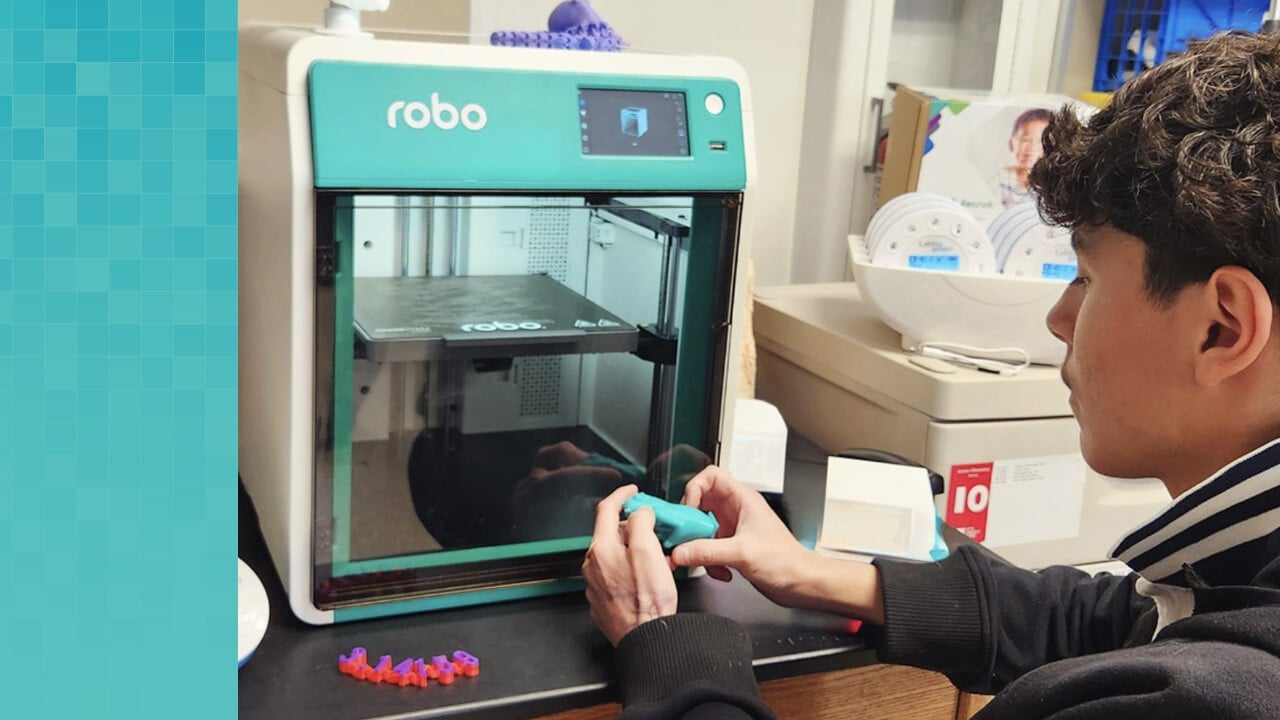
[537, 656]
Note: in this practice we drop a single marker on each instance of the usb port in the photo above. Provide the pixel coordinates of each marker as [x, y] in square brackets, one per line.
[716, 145]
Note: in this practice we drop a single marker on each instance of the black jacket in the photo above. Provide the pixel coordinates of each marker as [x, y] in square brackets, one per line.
[1055, 644]
[1060, 645]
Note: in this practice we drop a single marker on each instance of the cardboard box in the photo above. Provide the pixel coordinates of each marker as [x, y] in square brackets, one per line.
[974, 148]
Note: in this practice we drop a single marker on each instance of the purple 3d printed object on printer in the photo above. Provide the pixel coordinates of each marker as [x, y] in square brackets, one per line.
[573, 25]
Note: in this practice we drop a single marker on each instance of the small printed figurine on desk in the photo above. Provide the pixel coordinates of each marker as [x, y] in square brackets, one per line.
[444, 668]
[464, 663]
[410, 671]
[674, 524]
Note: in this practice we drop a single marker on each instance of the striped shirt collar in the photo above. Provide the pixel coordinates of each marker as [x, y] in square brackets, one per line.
[1225, 528]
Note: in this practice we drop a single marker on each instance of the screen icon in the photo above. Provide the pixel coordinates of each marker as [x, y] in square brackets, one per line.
[635, 121]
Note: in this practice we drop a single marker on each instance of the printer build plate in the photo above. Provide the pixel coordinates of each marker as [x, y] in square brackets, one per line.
[404, 319]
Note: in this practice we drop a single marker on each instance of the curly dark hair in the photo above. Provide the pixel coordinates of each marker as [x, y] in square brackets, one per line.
[1186, 157]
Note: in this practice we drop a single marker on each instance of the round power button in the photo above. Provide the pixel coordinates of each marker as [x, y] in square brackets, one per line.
[714, 104]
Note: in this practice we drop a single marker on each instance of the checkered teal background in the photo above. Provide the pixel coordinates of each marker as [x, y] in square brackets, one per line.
[117, 358]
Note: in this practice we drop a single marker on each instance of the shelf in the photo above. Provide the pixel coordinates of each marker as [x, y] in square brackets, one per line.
[409, 319]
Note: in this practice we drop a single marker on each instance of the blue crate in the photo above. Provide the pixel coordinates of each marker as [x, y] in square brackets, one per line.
[1137, 34]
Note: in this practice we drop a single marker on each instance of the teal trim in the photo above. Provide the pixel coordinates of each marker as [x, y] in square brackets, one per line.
[530, 138]
[343, 369]
[460, 557]
[697, 332]
[453, 600]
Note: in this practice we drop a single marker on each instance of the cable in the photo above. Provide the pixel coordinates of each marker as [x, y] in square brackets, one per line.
[975, 357]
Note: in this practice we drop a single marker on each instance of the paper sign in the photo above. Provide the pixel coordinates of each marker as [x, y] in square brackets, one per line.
[1014, 502]
[968, 498]
[877, 508]
[1036, 499]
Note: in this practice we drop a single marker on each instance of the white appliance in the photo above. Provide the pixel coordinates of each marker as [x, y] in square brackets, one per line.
[840, 378]
[459, 277]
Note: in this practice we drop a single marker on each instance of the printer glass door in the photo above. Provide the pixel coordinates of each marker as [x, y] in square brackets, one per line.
[490, 366]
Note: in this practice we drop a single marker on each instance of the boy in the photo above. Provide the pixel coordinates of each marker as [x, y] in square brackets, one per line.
[1026, 148]
[1173, 337]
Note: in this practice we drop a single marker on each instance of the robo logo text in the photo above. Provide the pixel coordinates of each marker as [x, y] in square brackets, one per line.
[444, 115]
[501, 325]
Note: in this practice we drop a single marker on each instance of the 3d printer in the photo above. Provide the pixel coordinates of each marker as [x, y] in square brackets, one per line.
[479, 289]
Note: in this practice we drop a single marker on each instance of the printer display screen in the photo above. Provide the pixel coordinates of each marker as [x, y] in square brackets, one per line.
[633, 122]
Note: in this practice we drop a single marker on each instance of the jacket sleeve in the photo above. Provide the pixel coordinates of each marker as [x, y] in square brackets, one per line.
[691, 667]
[983, 622]
[1207, 667]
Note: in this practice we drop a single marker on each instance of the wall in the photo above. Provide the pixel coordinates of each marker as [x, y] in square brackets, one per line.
[1079, 26]
[444, 15]
[769, 39]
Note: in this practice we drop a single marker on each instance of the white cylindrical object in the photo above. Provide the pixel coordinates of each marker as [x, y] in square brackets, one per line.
[344, 21]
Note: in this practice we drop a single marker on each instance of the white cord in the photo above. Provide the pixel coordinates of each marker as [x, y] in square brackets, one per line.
[975, 357]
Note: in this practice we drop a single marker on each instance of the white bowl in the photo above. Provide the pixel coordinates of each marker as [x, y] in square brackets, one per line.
[979, 310]
[255, 611]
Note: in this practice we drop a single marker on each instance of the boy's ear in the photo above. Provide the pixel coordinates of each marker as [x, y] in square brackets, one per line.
[1240, 323]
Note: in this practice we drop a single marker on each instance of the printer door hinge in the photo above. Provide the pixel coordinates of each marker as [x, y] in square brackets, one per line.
[326, 263]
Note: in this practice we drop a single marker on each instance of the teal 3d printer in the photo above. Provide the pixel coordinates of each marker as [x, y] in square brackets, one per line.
[479, 289]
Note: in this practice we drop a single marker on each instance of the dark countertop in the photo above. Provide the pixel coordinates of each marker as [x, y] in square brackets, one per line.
[537, 656]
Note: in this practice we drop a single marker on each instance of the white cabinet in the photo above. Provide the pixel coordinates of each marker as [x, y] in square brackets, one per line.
[858, 49]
